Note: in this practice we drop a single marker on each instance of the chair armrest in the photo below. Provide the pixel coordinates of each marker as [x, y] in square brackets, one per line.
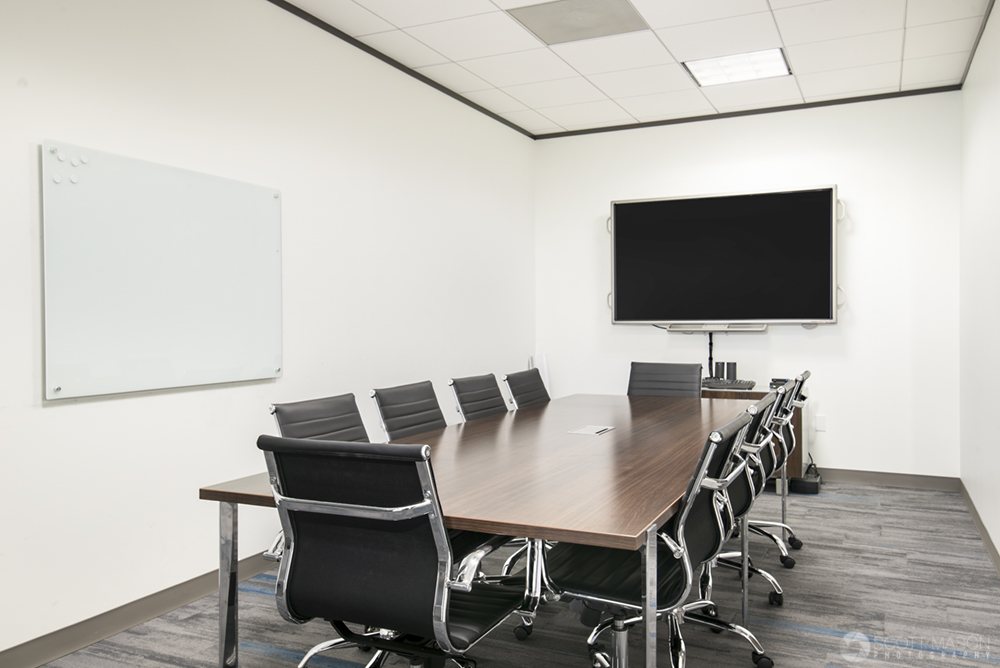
[469, 568]
[716, 485]
[274, 552]
[675, 549]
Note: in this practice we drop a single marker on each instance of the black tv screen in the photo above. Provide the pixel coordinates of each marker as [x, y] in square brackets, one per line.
[762, 258]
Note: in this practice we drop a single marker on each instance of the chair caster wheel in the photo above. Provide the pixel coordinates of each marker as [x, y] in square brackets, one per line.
[774, 598]
[794, 543]
[787, 562]
[762, 661]
[522, 632]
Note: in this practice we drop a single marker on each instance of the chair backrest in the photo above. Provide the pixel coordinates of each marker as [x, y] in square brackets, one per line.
[779, 425]
[408, 409]
[328, 419]
[526, 388]
[663, 379]
[700, 520]
[478, 396]
[744, 490]
[365, 540]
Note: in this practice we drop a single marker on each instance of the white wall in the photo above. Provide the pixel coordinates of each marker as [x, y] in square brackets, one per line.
[407, 241]
[893, 355]
[980, 279]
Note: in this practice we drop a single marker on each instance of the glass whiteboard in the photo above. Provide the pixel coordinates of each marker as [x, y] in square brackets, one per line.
[154, 276]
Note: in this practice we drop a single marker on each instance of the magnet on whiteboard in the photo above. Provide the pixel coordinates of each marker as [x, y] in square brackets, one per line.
[76, 163]
[61, 156]
[57, 178]
[74, 179]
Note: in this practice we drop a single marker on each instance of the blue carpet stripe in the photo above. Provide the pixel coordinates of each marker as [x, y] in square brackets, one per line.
[985, 653]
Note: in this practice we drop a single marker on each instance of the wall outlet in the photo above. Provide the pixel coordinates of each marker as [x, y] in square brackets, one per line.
[820, 423]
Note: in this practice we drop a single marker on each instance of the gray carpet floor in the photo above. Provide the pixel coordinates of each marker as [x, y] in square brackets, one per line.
[886, 577]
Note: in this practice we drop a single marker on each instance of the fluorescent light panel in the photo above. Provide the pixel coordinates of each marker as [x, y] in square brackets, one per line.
[739, 67]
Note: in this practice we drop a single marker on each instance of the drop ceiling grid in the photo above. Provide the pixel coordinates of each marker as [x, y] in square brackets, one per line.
[837, 49]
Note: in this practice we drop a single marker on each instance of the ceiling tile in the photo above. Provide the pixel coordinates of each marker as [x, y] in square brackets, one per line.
[532, 121]
[743, 34]
[555, 93]
[837, 54]
[670, 13]
[454, 77]
[834, 19]
[345, 15]
[403, 48]
[853, 81]
[610, 54]
[940, 38]
[511, 69]
[511, 4]
[495, 100]
[645, 81]
[662, 106]
[934, 71]
[922, 12]
[778, 91]
[476, 36]
[407, 13]
[589, 114]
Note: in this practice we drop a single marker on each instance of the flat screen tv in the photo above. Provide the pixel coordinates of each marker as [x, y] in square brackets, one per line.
[726, 261]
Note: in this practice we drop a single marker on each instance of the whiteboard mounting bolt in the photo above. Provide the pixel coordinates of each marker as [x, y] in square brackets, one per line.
[275, 195]
[277, 370]
[58, 389]
[52, 150]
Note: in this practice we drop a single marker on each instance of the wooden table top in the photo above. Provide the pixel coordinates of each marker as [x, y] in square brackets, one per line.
[523, 474]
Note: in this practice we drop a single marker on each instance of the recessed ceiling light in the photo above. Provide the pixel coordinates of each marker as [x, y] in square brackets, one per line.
[739, 67]
[572, 20]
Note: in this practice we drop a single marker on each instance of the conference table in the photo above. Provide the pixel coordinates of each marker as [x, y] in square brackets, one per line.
[604, 470]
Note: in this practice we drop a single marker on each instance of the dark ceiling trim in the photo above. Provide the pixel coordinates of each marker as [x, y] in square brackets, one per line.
[319, 23]
[752, 112]
[975, 45]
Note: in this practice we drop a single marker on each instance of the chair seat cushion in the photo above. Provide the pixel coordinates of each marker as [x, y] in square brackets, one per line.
[613, 575]
[472, 614]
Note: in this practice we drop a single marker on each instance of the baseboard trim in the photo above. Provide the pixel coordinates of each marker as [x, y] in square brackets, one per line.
[77, 636]
[991, 548]
[906, 480]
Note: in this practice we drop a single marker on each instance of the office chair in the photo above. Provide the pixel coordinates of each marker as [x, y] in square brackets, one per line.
[657, 379]
[526, 388]
[405, 410]
[329, 419]
[742, 493]
[477, 396]
[784, 435]
[610, 580]
[373, 511]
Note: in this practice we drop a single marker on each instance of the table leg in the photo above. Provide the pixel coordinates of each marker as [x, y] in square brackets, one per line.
[649, 595]
[228, 583]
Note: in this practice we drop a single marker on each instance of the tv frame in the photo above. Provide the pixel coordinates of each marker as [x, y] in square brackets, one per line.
[733, 324]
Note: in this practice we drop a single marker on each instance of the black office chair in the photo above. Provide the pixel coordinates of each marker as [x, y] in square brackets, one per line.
[406, 410]
[477, 396]
[526, 388]
[329, 419]
[784, 436]
[611, 580]
[373, 511]
[662, 379]
[757, 443]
